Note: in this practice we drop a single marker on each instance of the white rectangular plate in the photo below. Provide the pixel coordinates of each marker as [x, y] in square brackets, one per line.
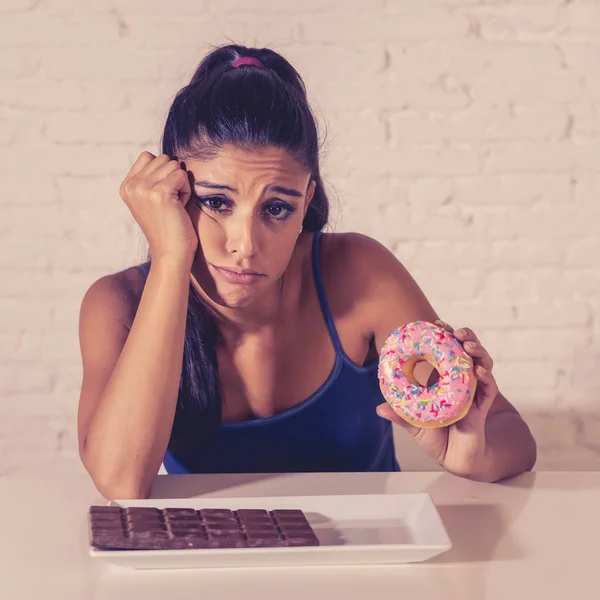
[352, 530]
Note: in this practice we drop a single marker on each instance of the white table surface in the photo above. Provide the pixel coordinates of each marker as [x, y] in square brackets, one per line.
[535, 536]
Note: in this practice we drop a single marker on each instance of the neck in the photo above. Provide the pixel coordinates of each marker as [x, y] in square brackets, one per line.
[258, 318]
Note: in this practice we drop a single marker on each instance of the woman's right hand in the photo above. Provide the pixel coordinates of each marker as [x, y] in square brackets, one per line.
[156, 191]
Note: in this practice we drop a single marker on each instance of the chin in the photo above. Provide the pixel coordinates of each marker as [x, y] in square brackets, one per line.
[236, 296]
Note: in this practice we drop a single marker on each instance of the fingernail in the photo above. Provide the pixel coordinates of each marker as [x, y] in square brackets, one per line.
[470, 345]
[482, 370]
[460, 332]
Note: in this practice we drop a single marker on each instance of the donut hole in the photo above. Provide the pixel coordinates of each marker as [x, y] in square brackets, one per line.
[418, 371]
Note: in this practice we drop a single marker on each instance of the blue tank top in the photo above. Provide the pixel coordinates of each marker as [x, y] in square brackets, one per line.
[334, 430]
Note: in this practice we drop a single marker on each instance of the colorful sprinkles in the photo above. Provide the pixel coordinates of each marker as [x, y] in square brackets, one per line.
[448, 399]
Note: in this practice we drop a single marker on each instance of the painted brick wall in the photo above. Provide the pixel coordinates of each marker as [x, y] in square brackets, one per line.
[464, 135]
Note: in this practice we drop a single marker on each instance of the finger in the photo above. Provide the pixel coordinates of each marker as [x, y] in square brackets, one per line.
[464, 334]
[158, 163]
[445, 325]
[479, 354]
[185, 191]
[142, 161]
[176, 183]
[387, 412]
[160, 169]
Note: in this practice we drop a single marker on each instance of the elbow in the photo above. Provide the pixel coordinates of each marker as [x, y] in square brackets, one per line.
[522, 455]
[532, 453]
[114, 485]
[528, 450]
[121, 490]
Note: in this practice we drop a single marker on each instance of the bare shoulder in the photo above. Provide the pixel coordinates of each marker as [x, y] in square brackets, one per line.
[361, 263]
[114, 297]
[359, 250]
[372, 279]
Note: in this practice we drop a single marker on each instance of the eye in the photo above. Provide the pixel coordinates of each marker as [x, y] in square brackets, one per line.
[214, 203]
[279, 211]
[275, 210]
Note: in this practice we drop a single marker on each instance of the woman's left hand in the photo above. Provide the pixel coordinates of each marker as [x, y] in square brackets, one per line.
[460, 447]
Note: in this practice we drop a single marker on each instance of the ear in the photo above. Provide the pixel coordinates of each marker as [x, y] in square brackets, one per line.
[310, 192]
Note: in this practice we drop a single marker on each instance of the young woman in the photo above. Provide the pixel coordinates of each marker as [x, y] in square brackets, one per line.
[249, 340]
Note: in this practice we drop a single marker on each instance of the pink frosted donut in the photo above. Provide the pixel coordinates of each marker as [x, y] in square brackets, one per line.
[446, 401]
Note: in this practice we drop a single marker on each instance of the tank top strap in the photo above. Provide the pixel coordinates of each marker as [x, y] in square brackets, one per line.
[145, 267]
[316, 264]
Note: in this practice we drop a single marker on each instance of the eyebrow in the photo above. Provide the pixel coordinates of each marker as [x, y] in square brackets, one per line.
[272, 188]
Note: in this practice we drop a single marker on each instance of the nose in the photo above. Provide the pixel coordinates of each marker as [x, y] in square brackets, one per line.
[241, 238]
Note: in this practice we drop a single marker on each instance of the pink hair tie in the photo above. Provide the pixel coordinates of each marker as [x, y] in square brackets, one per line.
[248, 60]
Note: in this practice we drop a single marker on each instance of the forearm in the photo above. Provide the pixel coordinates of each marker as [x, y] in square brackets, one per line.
[130, 429]
[509, 449]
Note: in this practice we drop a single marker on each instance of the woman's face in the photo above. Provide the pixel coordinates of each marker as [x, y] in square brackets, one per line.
[248, 209]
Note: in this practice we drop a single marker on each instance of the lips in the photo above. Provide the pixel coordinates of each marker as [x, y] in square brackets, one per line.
[243, 277]
[240, 272]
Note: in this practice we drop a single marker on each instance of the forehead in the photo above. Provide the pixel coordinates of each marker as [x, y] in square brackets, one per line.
[231, 161]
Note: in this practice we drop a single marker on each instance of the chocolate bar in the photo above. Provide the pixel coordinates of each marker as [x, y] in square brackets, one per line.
[146, 528]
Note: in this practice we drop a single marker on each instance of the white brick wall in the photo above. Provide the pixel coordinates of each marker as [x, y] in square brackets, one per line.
[463, 134]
